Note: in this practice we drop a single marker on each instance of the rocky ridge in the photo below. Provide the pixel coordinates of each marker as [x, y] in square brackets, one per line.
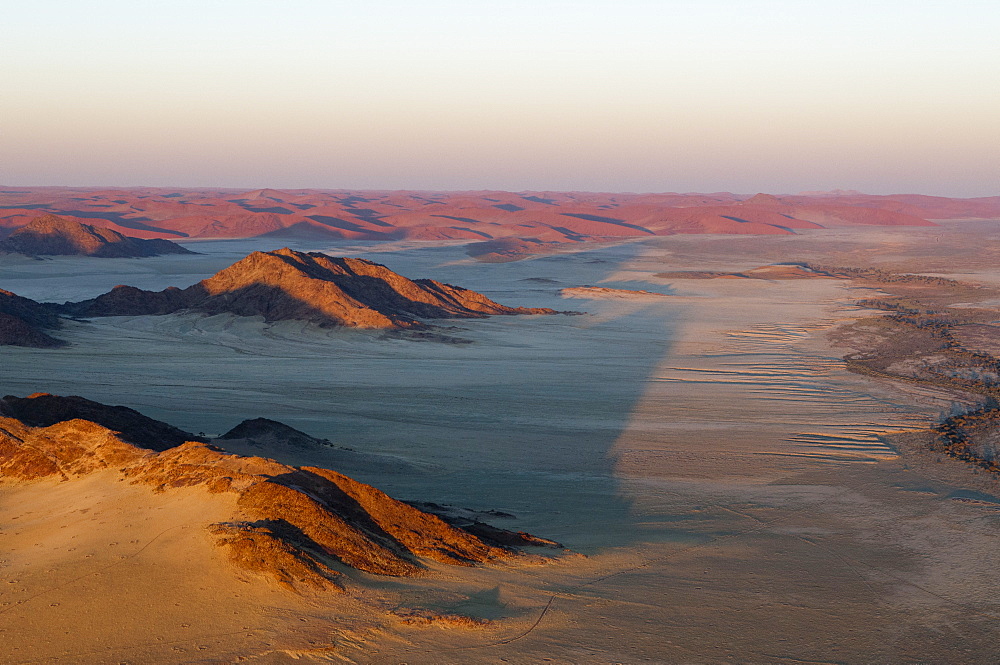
[324, 290]
[23, 322]
[298, 526]
[43, 410]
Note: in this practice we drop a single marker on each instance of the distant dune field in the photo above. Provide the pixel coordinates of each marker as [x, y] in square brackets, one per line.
[536, 218]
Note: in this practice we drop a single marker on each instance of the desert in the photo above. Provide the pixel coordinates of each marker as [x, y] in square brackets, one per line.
[477, 333]
[765, 447]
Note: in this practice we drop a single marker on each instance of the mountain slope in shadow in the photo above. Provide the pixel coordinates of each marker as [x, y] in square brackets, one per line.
[23, 322]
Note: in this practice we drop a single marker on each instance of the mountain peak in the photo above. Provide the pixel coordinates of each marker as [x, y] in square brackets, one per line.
[763, 199]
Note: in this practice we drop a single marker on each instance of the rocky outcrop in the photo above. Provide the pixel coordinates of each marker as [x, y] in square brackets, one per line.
[264, 432]
[129, 301]
[296, 525]
[472, 521]
[503, 250]
[23, 322]
[289, 285]
[53, 235]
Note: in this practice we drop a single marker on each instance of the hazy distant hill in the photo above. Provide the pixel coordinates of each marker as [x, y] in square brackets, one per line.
[53, 235]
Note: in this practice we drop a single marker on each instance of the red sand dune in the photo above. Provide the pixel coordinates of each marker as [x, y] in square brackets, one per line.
[441, 233]
[240, 225]
[830, 215]
[918, 205]
[471, 215]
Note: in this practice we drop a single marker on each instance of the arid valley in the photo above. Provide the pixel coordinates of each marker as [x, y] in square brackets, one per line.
[727, 423]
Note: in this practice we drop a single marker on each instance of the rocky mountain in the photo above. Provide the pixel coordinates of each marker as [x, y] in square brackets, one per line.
[289, 285]
[53, 235]
[295, 525]
[23, 322]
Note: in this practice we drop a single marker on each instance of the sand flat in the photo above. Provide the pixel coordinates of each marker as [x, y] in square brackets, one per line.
[96, 569]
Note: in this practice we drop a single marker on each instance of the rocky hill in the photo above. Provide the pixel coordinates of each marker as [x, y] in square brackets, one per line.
[267, 432]
[53, 235]
[295, 525]
[289, 285]
[43, 410]
[23, 322]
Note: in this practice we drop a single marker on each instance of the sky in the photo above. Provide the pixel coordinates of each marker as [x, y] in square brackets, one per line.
[591, 95]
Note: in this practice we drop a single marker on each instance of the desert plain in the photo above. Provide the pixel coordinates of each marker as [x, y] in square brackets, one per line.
[726, 490]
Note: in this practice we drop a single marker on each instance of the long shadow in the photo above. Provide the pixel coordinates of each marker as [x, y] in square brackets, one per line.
[608, 220]
[370, 216]
[278, 210]
[339, 223]
[528, 426]
[533, 434]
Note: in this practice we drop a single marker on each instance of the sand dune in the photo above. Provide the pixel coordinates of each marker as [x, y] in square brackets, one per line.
[473, 216]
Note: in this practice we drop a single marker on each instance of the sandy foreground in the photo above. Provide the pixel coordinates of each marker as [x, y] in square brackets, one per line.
[725, 483]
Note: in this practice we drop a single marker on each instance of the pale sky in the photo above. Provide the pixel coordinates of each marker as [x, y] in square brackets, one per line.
[633, 95]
